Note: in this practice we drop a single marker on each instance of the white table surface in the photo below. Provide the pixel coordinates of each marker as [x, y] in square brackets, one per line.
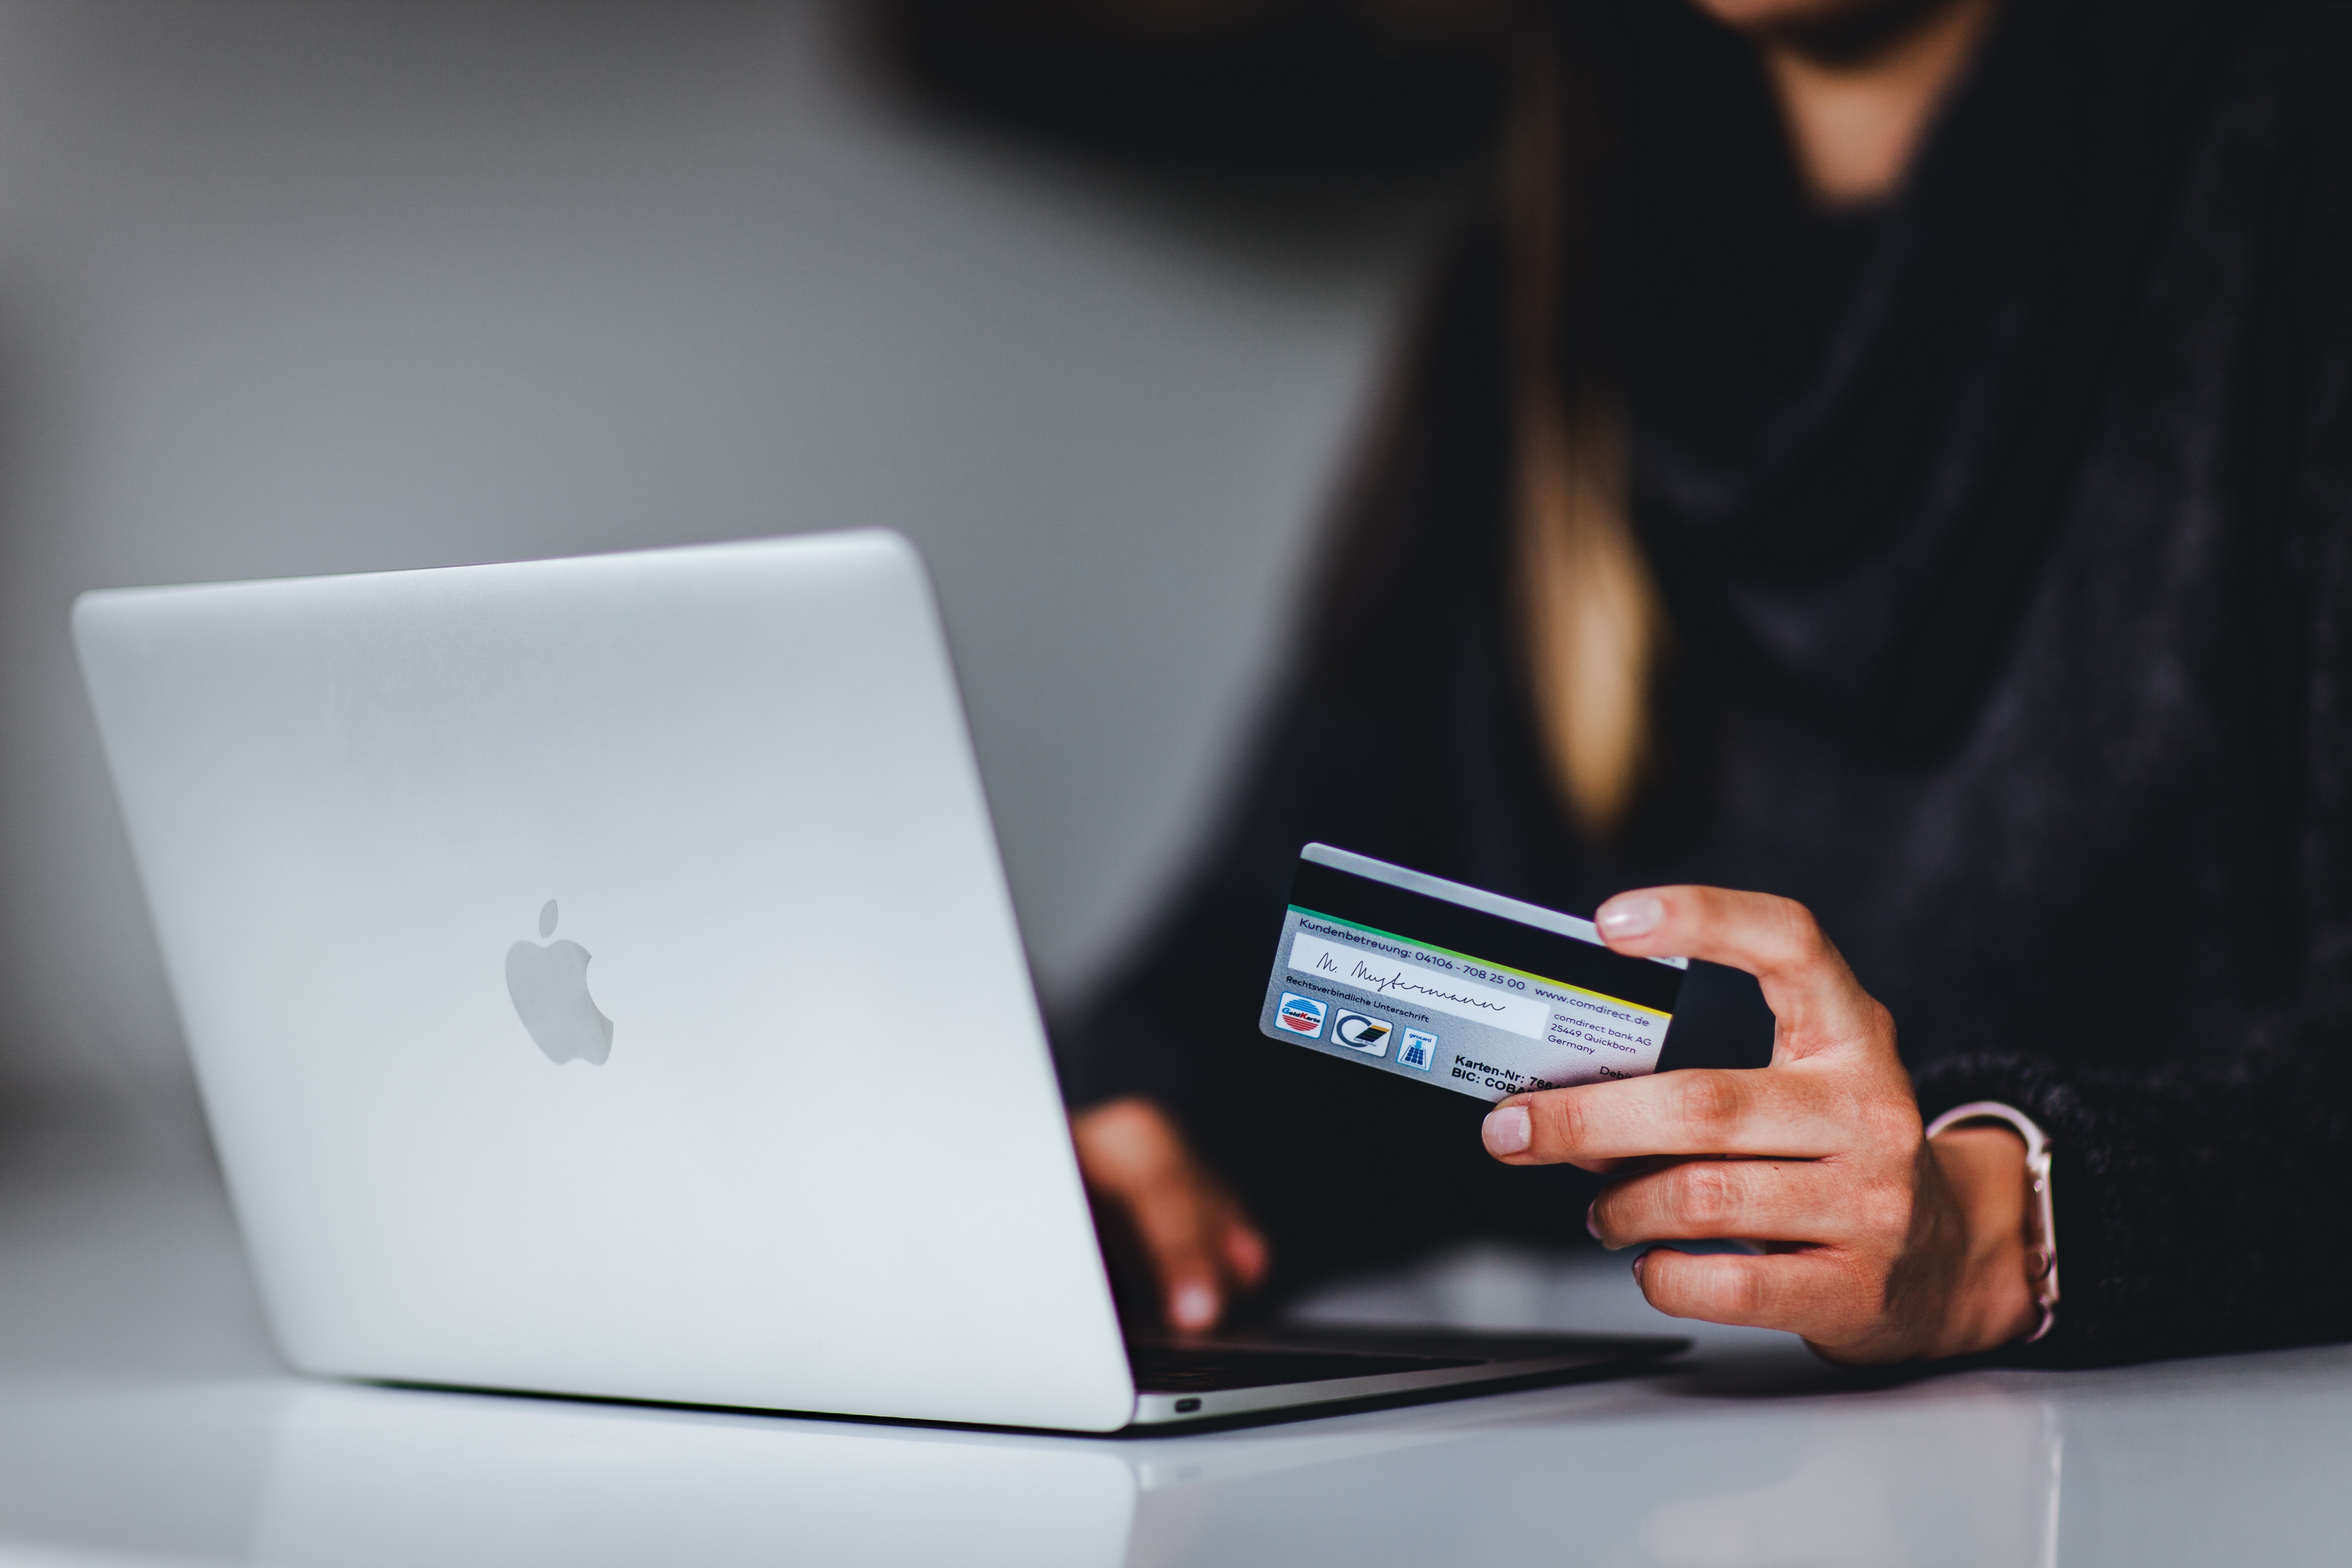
[144, 1418]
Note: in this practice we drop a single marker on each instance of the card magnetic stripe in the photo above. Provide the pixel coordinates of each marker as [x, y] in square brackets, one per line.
[1434, 922]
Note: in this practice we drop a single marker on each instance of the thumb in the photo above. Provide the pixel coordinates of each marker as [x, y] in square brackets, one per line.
[1817, 1002]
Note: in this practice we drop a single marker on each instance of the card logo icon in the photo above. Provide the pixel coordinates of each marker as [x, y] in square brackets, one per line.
[1358, 1033]
[1301, 1015]
[1417, 1049]
[550, 988]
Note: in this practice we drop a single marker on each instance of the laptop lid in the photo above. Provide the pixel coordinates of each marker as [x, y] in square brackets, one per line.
[601, 980]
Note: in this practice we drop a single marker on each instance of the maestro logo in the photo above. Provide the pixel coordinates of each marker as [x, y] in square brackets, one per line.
[549, 987]
[1358, 1033]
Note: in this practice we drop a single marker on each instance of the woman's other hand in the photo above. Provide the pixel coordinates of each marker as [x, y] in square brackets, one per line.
[1879, 1247]
[1201, 1249]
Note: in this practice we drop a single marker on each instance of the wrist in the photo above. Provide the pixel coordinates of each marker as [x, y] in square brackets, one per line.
[1992, 1301]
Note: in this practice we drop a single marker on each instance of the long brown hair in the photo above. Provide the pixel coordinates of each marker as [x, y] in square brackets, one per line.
[1589, 606]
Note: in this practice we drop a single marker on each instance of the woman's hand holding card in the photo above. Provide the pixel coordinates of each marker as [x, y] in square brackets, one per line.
[1879, 1247]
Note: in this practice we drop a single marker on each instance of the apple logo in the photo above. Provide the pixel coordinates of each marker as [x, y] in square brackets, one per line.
[549, 987]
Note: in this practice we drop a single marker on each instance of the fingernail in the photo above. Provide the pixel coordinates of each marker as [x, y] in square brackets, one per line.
[1638, 1261]
[1637, 915]
[1509, 1130]
[1590, 1224]
[1194, 1307]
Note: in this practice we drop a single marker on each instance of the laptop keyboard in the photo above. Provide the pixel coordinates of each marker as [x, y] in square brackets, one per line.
[1210, 1369]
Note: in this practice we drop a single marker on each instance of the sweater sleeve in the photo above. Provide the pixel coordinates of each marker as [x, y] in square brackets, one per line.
[2196, 1210]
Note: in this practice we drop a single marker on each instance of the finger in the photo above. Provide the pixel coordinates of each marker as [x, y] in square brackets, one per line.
[1805, 979]
[1183, 1241]
[1247, 1256]
[1698, 1110]
[1805, 1293]
[1756, 1200]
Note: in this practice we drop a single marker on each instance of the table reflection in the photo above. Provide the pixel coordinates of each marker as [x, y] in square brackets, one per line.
[1949, 1481]
[361, 1477]
[365, 1476]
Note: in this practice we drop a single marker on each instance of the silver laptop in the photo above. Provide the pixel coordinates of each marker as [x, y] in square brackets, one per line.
[602, 981]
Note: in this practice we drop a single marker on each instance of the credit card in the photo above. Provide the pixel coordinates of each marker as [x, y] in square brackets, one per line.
[1455, 987]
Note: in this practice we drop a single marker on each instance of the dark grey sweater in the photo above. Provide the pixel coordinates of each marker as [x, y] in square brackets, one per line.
[2007, 535]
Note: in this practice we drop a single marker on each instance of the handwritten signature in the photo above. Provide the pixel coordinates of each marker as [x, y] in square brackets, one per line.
[1372, 979]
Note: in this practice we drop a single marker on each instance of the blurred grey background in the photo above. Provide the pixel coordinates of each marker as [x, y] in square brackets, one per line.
[304, 287]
